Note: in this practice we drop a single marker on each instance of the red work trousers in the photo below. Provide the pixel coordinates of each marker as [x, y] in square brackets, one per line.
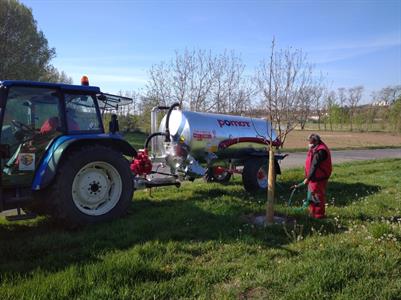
[318, 189]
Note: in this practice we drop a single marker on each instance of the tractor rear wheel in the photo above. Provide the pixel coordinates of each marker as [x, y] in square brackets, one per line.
[254, 174]
[93, 184]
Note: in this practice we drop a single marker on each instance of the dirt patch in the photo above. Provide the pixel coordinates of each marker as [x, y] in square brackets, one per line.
[259, 219]
[337, 139]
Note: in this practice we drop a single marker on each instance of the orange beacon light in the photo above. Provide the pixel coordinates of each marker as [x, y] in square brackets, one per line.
[84, 80]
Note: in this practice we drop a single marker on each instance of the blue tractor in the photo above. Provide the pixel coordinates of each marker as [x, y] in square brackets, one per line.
[56, 158]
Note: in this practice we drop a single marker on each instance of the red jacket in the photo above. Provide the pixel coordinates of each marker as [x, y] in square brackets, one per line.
[324, 168]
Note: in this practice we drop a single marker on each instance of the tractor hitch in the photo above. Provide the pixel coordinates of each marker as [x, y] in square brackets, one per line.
[143, 183]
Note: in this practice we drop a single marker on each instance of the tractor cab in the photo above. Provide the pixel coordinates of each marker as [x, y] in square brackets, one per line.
[37, 119]
[32, 115]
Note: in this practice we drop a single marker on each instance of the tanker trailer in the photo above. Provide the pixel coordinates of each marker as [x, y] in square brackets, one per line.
[193, 144]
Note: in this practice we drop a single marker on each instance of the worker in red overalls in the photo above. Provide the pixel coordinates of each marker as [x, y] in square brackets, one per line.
[317, 172]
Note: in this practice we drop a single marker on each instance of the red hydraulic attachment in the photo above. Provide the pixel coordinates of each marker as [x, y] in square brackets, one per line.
[141, 164]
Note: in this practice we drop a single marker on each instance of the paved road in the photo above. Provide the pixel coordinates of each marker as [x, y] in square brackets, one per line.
[297, 159]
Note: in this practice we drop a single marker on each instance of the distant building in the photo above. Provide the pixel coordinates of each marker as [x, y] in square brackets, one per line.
[380, 103]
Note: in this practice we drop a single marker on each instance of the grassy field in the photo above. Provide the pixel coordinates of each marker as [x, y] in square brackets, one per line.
[195, 242]
[296, 140]
[136, 139]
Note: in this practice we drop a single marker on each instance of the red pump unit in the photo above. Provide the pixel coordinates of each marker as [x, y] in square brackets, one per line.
[141, 164]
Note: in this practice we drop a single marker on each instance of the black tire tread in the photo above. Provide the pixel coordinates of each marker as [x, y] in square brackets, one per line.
[62, 207]
[249, 173]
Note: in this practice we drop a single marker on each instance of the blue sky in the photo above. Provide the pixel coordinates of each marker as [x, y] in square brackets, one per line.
[115, 42]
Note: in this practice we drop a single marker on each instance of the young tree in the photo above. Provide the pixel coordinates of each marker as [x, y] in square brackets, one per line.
[370, 115]
[201, 81]
[335, 114]
[281, 78]
[354, 97]
[387, 95]
[395, 115]
[305, 105]
[317, 101]
[342, 100]
[330, 104]
[231, 91]
[383, 101]
[159, 88]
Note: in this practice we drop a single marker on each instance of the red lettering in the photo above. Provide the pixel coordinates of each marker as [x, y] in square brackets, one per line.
[233, 123]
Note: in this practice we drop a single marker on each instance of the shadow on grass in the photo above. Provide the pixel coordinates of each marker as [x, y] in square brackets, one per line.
[337, 194]
[25, 247]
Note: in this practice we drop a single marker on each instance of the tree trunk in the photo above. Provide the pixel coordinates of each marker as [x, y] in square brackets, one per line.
[270, 188]
[350, 121]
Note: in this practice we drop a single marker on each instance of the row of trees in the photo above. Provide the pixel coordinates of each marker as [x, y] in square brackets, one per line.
[342, 109]
[285, 88]
[201, 81]
[24, 50]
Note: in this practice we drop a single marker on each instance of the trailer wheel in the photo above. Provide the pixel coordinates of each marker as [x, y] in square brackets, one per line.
[254, 175]
[93, 184]
[218, 174]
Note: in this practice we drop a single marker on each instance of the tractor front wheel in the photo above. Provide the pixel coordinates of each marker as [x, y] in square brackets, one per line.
[93, 184]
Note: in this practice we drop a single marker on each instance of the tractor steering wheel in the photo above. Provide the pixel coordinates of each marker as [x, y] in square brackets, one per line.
[21, 126]
[23, 130]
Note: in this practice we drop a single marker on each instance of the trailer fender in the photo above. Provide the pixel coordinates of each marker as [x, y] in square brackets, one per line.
[61, 146]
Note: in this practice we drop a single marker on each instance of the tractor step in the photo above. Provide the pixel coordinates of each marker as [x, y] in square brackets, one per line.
[21, 215]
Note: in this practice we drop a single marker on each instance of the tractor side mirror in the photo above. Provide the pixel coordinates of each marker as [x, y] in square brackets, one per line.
[5, 151]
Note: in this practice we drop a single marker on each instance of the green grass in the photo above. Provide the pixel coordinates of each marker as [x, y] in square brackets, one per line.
[136, 139]
[194, 242]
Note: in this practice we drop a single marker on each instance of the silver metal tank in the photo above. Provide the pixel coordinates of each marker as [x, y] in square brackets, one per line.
[205, 132]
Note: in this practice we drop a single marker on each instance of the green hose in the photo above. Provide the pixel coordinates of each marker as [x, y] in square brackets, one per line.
[295, 187]
[309, 198]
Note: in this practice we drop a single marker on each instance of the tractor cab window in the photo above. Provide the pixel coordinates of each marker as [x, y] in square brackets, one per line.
[29, 111]
[81, 113]
[31, 120]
